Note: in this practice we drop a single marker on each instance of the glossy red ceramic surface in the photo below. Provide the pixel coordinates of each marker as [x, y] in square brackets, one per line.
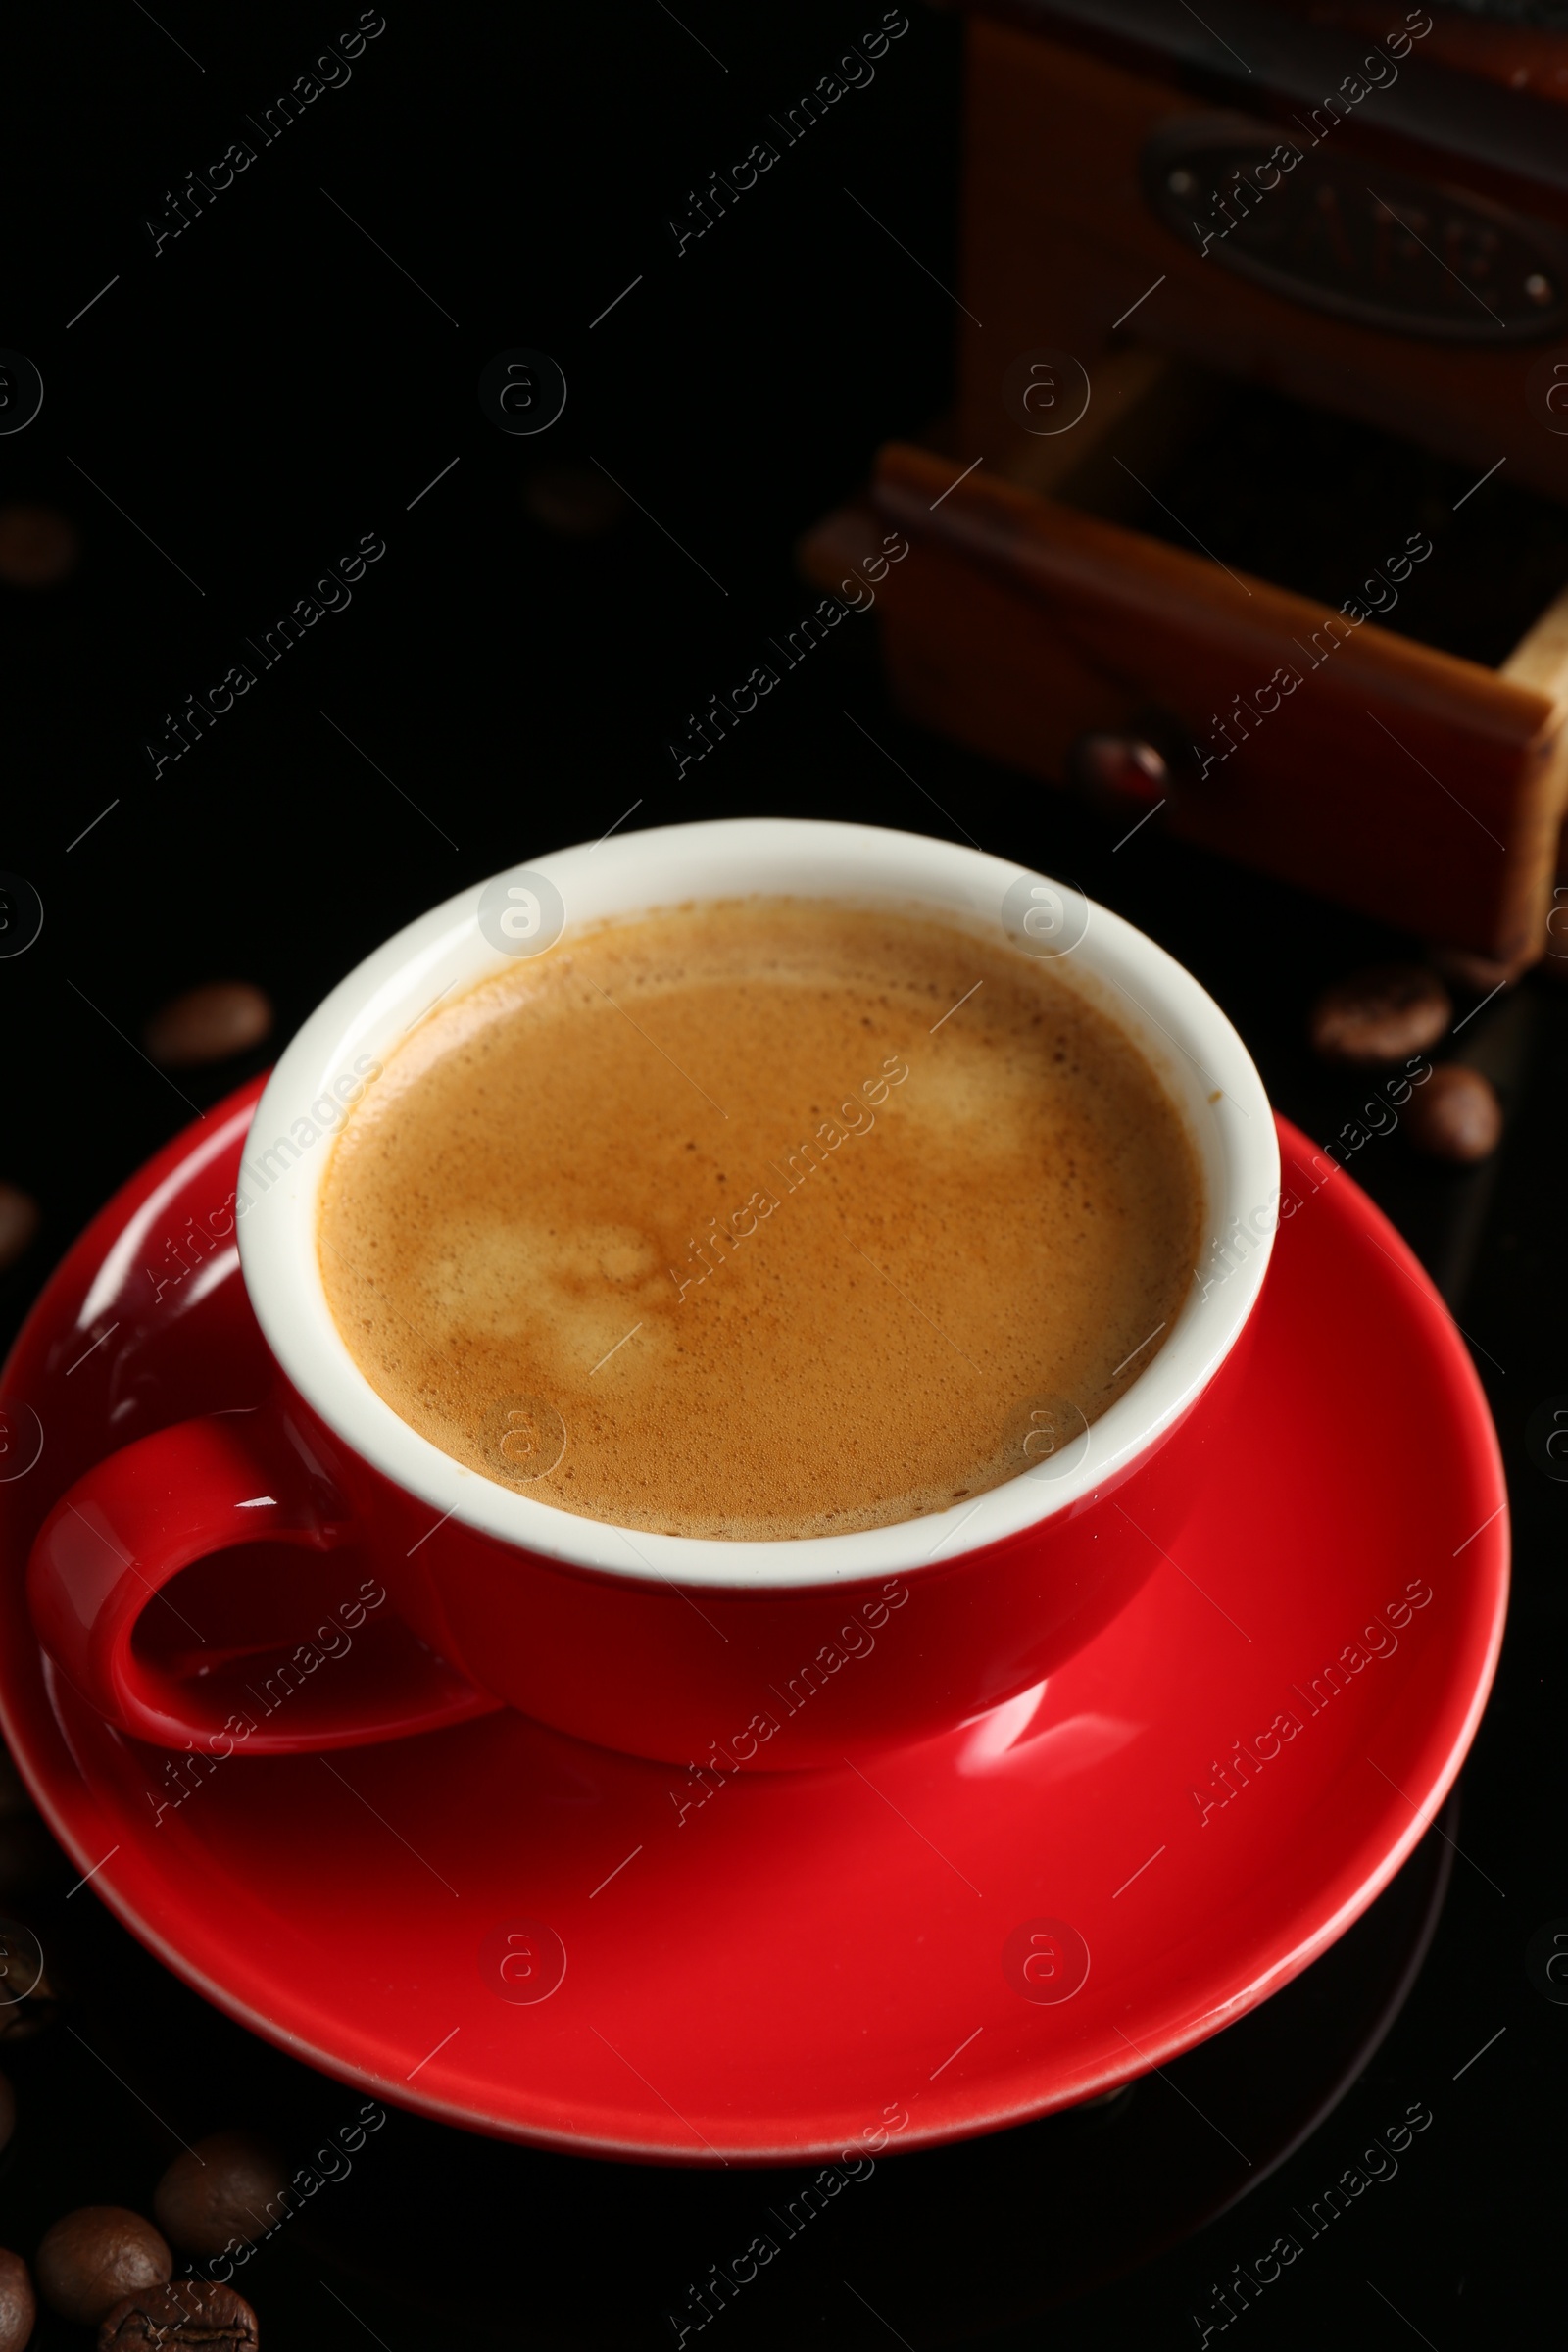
[521, 1933]
[746, 1673]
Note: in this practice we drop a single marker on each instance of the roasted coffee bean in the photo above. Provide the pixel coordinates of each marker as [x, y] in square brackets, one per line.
[1121, 774]
[93, 2257]
[1455, 1115]
[19, 2306]
[1380, 1015]
[219, 2191]
[208, 1024]
[38, 548]
[576, 501]
[18, 1222]
[169, 2319]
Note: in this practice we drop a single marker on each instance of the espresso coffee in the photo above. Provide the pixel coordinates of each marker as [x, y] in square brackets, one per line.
[762, 1218]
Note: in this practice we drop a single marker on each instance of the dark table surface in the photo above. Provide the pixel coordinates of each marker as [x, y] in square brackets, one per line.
[228, 416]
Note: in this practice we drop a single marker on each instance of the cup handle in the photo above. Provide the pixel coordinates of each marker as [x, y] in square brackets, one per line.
[176, 1497]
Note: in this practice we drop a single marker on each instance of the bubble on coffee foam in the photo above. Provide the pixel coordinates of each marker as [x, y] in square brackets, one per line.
[526, 1439]
[1045, 918]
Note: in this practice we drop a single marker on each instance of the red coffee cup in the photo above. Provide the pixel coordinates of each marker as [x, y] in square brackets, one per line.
[750, 1655]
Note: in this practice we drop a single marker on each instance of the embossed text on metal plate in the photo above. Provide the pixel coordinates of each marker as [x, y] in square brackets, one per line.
[1345, 233]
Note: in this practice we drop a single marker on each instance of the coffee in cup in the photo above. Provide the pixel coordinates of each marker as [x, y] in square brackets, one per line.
[761, 1219]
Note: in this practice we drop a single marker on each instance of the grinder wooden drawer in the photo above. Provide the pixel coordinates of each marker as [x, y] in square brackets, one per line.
[1421, 788]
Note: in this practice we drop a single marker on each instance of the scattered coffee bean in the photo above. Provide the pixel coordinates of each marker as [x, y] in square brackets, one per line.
[208, 1024]
[1455, 1115]
[168, 2319]
[577, 501]
[219, 2191]
[1380, 1015]
[93, 2257]
[1121, 774]
[7, 2118]
[19, 2306]
[38, 548]
[18, 1222]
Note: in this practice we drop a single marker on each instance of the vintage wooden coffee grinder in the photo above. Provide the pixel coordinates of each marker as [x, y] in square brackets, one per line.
[1251, 506]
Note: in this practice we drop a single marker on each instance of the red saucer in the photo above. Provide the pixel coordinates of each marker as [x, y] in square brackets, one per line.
[516, 1933]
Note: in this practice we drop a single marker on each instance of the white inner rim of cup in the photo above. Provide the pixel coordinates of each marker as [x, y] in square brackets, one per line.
[1203, 1062]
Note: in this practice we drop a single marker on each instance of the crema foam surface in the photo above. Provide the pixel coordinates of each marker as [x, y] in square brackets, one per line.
[761, 1219]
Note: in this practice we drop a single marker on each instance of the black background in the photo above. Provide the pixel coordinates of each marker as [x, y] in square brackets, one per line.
[265, 390]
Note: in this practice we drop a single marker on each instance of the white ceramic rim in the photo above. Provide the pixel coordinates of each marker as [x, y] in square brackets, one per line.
[1202, 1061]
